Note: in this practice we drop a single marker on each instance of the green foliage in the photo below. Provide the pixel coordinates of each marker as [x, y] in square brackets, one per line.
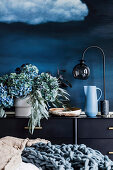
[2, 112]
[45, 92]
[39, 110]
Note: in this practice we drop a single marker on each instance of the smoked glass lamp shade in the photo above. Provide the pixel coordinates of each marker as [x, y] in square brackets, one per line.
[81, 71]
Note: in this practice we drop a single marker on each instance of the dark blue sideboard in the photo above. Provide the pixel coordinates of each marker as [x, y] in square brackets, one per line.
[96, 133]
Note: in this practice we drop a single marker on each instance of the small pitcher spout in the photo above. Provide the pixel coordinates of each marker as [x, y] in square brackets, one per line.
[85, 90]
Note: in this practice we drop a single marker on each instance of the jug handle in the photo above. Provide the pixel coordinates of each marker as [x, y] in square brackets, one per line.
[100, 93]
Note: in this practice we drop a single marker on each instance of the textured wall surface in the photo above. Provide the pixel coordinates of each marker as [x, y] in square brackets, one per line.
[53, 45]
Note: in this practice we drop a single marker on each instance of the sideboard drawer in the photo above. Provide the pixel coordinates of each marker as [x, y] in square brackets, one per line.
[54, 129]
[95, 128]
[105, 146]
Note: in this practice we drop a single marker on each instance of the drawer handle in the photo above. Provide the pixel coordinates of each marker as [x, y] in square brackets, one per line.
[36, 128]
[110, 128]
[110, 153]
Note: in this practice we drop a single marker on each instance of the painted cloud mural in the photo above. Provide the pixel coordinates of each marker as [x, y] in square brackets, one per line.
[42, 11]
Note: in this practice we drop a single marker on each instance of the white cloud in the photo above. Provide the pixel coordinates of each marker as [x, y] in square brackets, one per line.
[42, 11]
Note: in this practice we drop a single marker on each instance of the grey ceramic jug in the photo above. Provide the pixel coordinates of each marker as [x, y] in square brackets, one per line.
[91, 101]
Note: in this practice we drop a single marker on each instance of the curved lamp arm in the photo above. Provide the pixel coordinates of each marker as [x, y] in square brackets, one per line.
[103, 64]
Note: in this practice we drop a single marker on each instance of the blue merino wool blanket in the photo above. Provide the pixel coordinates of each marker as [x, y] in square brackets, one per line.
[66, 157]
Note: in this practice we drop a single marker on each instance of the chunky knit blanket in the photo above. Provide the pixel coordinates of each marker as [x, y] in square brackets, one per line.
[66, 157]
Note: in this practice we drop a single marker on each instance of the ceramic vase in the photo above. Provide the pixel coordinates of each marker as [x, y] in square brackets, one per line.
[22, 108]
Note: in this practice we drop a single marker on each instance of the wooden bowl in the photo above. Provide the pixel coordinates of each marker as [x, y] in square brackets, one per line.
[65, 111]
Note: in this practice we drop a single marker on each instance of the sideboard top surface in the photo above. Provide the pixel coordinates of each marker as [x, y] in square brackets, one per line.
[61, 117]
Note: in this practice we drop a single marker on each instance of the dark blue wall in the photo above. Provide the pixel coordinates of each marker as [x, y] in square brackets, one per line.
[53, 45]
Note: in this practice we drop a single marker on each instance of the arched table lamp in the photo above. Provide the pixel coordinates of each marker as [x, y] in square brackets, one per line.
[82, 71]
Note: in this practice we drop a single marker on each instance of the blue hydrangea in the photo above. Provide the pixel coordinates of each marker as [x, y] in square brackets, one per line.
[5, 99]
[30, 70]
[19, 85]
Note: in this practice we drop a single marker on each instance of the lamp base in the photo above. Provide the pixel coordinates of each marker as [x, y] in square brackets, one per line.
[104, 107]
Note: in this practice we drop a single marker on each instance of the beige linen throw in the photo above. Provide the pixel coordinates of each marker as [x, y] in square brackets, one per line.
[11, 149]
